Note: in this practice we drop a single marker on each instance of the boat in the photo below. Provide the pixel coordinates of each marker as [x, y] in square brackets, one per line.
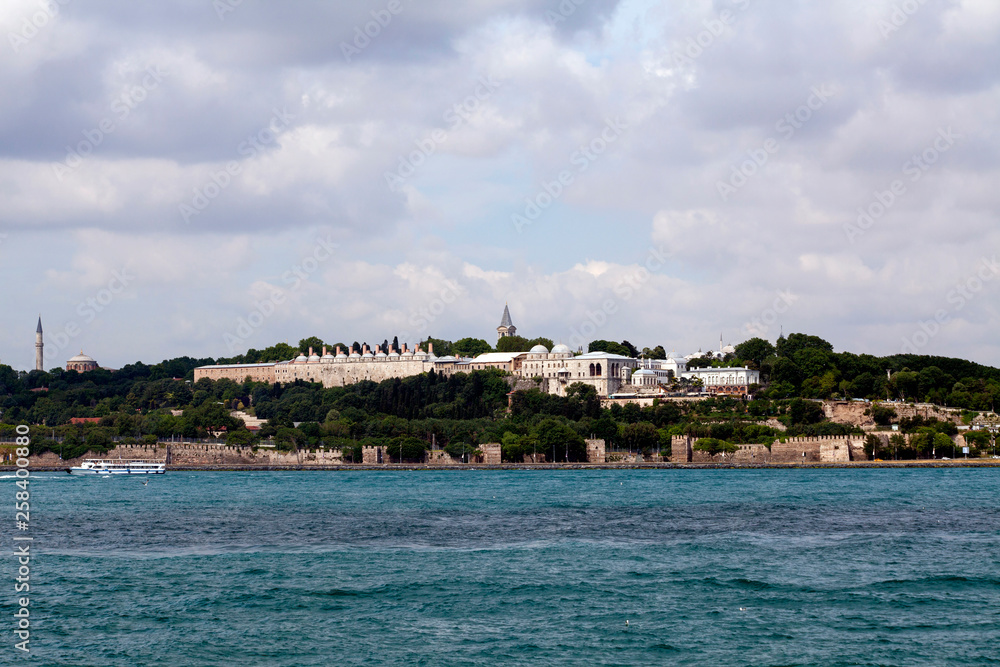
[119, 467]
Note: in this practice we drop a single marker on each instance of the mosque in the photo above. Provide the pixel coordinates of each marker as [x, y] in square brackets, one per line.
[81, 363]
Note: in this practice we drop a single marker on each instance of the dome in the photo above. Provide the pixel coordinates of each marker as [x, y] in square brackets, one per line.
[368, 355]
[561, 349]
[354, 354]
[381, 355]
[313, 358]
[82, 358]
[393, 354]
[301, 359]
[408, 353]
[539, 349]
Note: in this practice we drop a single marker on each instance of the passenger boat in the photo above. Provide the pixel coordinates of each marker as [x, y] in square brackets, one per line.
[119, 467]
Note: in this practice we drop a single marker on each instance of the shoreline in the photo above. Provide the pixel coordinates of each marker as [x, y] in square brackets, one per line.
[965, 463]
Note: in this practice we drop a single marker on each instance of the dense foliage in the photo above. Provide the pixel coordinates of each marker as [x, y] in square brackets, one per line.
[147, 403]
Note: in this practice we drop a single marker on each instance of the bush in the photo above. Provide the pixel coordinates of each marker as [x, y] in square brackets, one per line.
[713, 446]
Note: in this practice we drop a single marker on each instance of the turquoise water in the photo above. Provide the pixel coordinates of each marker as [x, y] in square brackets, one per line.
[762, 567]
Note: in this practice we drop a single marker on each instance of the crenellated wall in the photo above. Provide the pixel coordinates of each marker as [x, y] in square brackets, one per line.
[819, 449]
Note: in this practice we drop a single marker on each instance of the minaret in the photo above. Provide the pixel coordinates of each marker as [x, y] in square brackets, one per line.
[39, 357]
[506, 327]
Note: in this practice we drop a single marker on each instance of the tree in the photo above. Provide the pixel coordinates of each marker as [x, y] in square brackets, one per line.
[714, 446]
[754, 351]
[470, 347]
[315, 343]
[608, 346]
[640, 437]
[514, 344]
[632, 352]
[559, 441]
[547, 342]
[586, 397]
[406, 448]
[787, 347]
[442, 348]
[654, 353]
[805, 412]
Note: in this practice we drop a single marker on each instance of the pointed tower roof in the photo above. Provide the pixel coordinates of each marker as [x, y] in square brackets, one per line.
[505, 320]
[39, 329]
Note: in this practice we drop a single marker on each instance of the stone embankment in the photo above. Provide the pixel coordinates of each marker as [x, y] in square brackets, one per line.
[852, 413]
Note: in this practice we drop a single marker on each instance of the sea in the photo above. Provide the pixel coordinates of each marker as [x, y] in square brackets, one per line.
[487, 567]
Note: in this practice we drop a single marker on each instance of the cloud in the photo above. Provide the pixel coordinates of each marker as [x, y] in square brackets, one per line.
[439, 254]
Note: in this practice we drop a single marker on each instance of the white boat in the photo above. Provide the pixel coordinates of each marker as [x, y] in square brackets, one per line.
[119, 467]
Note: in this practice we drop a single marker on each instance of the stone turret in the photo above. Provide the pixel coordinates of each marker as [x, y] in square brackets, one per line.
[506, 327]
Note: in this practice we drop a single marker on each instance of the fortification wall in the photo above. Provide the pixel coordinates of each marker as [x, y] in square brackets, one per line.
[596, 451]
[821, 449]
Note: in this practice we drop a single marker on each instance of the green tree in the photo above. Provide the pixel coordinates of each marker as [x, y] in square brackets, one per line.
[787, 347]
[442, 348]
[559, 441]
[315, 343]
[514, 344]
[714, 446]
[470, 347]
[608, 346]
[754, 351]
[406, 448]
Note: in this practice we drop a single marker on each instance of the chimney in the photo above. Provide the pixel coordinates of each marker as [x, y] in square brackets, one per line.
[418, 347]
[364, 349]
[378, 349]
[404, 347]
[338, 350]
[310, 351]
[324, 350]
[430, 348]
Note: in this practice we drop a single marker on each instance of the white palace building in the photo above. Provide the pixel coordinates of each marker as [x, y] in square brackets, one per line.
[553, 370]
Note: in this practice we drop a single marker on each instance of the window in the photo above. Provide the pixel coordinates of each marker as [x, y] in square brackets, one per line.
[598, 368]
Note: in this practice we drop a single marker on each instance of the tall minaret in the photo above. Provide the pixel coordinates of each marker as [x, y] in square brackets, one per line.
[39, 358]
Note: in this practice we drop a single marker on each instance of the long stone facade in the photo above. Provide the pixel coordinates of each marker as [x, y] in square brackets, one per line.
[820, 449]
[340, 369]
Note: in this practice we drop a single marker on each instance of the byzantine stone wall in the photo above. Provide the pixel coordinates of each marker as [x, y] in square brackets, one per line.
[596, 451]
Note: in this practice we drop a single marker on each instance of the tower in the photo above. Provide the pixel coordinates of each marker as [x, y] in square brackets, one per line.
[506, 327]
[39, 357]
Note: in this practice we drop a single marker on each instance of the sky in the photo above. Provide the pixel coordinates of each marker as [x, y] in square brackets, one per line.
[200, 177]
